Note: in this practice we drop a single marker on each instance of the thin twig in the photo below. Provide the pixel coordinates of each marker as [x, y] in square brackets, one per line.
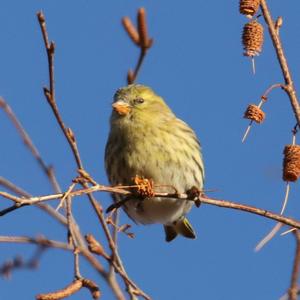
[50, 48]
[294, 287]
[132, 75]
[43, 206]
[72, 235]
[268, 237]
[278, 226]
[117, 260]
[140, 38]
[264, 98]
[66, 195]
[48, 170]
[115, 217]
[42, 241]
[251, 122]
[21, 192]
[270, 89]
[66, 131]
[13, 187]
[50, 93]
[288, 231]
[83, 251]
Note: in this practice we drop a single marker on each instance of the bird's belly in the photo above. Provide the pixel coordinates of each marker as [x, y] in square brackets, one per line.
[169, 173]
[157, 210]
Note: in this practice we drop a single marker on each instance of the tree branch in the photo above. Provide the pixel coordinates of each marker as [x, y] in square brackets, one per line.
[289, 85]
[127, 191]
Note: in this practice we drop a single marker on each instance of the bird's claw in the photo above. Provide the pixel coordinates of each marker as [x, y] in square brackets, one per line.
[194, 194]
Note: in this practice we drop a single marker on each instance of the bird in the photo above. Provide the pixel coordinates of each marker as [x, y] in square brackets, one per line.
[146, 139]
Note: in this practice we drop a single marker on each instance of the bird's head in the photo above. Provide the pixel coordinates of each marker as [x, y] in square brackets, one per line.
[138, 102]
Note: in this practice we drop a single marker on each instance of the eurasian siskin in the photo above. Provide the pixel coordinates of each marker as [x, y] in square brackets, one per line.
[147, 140]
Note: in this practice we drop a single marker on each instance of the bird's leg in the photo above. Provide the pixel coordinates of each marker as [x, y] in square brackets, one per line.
[117, 204]
[144, 189]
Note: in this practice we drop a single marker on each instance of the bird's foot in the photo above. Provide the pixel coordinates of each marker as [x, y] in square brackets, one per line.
[194, 194]
[117, 204]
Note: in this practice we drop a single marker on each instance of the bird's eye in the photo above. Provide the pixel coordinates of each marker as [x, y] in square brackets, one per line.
[139, 100]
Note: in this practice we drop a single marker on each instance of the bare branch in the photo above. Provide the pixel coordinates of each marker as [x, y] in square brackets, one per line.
[289, 85]
[126, 191]
[294, 287]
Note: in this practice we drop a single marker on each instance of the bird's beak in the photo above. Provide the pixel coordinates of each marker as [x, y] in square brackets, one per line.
[121, 107]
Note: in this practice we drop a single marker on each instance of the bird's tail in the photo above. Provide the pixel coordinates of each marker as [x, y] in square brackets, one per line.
[182, 227]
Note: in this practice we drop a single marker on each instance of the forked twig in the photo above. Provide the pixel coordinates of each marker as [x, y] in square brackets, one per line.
[140, 38]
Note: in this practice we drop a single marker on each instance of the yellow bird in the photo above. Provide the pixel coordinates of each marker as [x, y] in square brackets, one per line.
[146, 139]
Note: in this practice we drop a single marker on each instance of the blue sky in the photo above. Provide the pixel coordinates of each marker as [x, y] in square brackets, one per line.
[196, 64]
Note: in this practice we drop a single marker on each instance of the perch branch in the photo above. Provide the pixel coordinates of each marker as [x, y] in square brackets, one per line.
[126, 191]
